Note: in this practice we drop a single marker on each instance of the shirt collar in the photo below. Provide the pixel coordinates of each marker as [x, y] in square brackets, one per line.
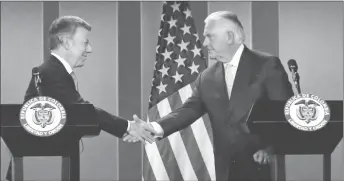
[236, 58]
[64, 62]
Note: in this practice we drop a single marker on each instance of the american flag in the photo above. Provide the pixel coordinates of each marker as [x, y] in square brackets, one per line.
[187, 154]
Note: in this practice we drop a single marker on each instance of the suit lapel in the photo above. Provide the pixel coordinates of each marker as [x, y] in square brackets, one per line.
[62, 70]
[240, 95]
[220, 86]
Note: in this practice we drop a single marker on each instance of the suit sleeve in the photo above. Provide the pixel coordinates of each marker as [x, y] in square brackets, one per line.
[112, 124]
[187, 114]
[277, 83]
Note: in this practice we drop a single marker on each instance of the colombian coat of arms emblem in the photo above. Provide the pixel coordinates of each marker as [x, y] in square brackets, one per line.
[42, 116]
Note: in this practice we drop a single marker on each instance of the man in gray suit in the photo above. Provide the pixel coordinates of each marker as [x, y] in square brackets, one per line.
[226, 91]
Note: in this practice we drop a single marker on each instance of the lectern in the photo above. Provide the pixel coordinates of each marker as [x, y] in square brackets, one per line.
[81, 121]
[267, 120]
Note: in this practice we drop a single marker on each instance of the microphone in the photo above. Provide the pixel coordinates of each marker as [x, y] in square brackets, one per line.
[38, 81]
[295, 75]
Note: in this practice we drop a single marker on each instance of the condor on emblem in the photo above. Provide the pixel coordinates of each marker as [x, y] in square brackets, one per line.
[42, 116]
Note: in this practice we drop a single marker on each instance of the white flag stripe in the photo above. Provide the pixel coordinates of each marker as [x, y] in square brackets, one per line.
[178, 146]
[201, 136]
[156, 162]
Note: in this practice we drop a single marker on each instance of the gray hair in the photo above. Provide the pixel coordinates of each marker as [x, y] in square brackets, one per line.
[231, 18]
[65, 25]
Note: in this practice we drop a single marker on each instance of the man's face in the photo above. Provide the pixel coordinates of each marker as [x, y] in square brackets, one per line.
[80, 47]
[216, 39]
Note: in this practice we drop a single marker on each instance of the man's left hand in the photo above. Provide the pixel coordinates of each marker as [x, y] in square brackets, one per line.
[263, 156]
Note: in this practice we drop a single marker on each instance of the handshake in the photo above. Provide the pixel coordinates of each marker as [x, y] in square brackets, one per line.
[139, 131]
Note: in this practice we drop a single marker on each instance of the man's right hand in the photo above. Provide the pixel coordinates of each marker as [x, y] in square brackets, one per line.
[140, 130]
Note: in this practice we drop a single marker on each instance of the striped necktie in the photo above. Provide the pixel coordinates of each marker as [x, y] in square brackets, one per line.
[75, 81]
[229, 77]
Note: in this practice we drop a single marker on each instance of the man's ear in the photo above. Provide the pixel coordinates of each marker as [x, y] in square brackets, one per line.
[65, 41]
[230, 37]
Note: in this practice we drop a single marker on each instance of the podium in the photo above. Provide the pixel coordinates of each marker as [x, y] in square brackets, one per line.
[267, 120]
[81, 121]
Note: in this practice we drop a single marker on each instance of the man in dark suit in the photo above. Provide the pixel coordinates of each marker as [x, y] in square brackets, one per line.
[226, 91]
[69, 45]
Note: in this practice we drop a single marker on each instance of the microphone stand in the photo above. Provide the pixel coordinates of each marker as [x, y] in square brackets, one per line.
[37, 83]
[296, 79]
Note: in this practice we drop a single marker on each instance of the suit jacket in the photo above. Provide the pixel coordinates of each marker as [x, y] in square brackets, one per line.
[59, 84]
[259, 77]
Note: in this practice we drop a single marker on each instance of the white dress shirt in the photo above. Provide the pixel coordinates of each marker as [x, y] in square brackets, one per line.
[70, 71]
[230, 69]
[64, 62]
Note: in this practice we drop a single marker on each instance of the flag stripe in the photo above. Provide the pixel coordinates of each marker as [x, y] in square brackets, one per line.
[189, 140]
[195, 155]
[177, 147]
[156, 162]
[169, 160]
[147, 169]
[165, 154]
[206, 121]
[156, 167]
[201, 135]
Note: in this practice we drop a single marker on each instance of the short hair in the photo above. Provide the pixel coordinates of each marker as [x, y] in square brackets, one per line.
[232, 17]
[65, 25]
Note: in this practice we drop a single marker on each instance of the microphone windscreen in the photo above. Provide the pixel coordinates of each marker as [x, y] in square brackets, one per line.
[292, 65]
[35, 71]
